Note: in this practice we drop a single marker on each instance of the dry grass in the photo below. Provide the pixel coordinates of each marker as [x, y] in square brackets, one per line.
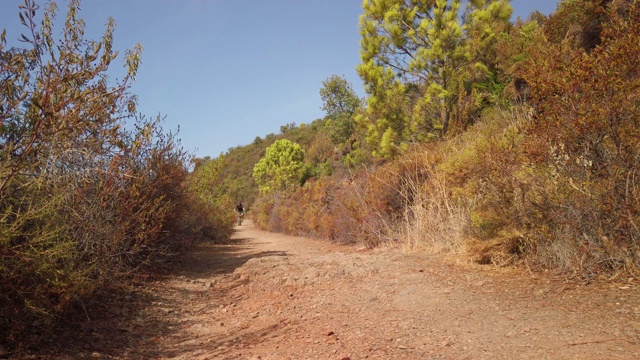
[433, 222]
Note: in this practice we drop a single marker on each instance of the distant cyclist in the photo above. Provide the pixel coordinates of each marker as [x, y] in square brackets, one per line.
[240, 211]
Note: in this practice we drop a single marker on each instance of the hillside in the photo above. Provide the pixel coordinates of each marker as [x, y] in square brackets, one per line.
[525, 159]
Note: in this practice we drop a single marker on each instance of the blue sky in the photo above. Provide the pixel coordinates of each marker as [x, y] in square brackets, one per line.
[226, 71]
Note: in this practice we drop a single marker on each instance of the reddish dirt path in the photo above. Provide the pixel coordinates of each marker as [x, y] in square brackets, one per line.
[270, 296]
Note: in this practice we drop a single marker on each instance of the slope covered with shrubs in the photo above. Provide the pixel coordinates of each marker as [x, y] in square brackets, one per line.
[538, 160]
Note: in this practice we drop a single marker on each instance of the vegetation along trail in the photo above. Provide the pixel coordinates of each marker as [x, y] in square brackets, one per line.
[270, 296]
[486, 140]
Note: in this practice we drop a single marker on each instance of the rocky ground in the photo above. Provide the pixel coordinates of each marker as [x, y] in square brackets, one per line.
[270, 296]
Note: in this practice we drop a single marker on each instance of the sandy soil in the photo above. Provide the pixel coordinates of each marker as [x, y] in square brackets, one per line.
[270, 296]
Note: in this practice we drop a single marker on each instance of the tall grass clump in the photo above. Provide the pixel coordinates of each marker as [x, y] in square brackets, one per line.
[486, 175]
[431, 219]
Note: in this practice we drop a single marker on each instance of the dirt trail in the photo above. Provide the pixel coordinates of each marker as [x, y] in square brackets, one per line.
[270, 296]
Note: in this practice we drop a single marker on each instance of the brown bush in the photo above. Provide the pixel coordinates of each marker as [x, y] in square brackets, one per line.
[381, 205]
[83, 202]
[318, 209]
[589, 121]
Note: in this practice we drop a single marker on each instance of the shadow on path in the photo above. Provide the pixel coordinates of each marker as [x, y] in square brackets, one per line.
[135, 321]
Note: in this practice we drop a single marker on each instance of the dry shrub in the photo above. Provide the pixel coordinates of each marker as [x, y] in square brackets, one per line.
[396, 203]
[530, 200]
[85, 197]
[502, 250]
[485, 174]
[367, 200]
[326, 208]
[261, 210]
[69, 232]
[413, 205]
[586, 188]
[575, 231]
[534, 197]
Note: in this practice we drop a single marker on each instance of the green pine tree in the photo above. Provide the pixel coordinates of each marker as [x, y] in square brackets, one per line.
[280, 169]
[420, 62]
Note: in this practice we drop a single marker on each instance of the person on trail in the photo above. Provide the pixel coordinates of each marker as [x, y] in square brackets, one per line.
[240, 211]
